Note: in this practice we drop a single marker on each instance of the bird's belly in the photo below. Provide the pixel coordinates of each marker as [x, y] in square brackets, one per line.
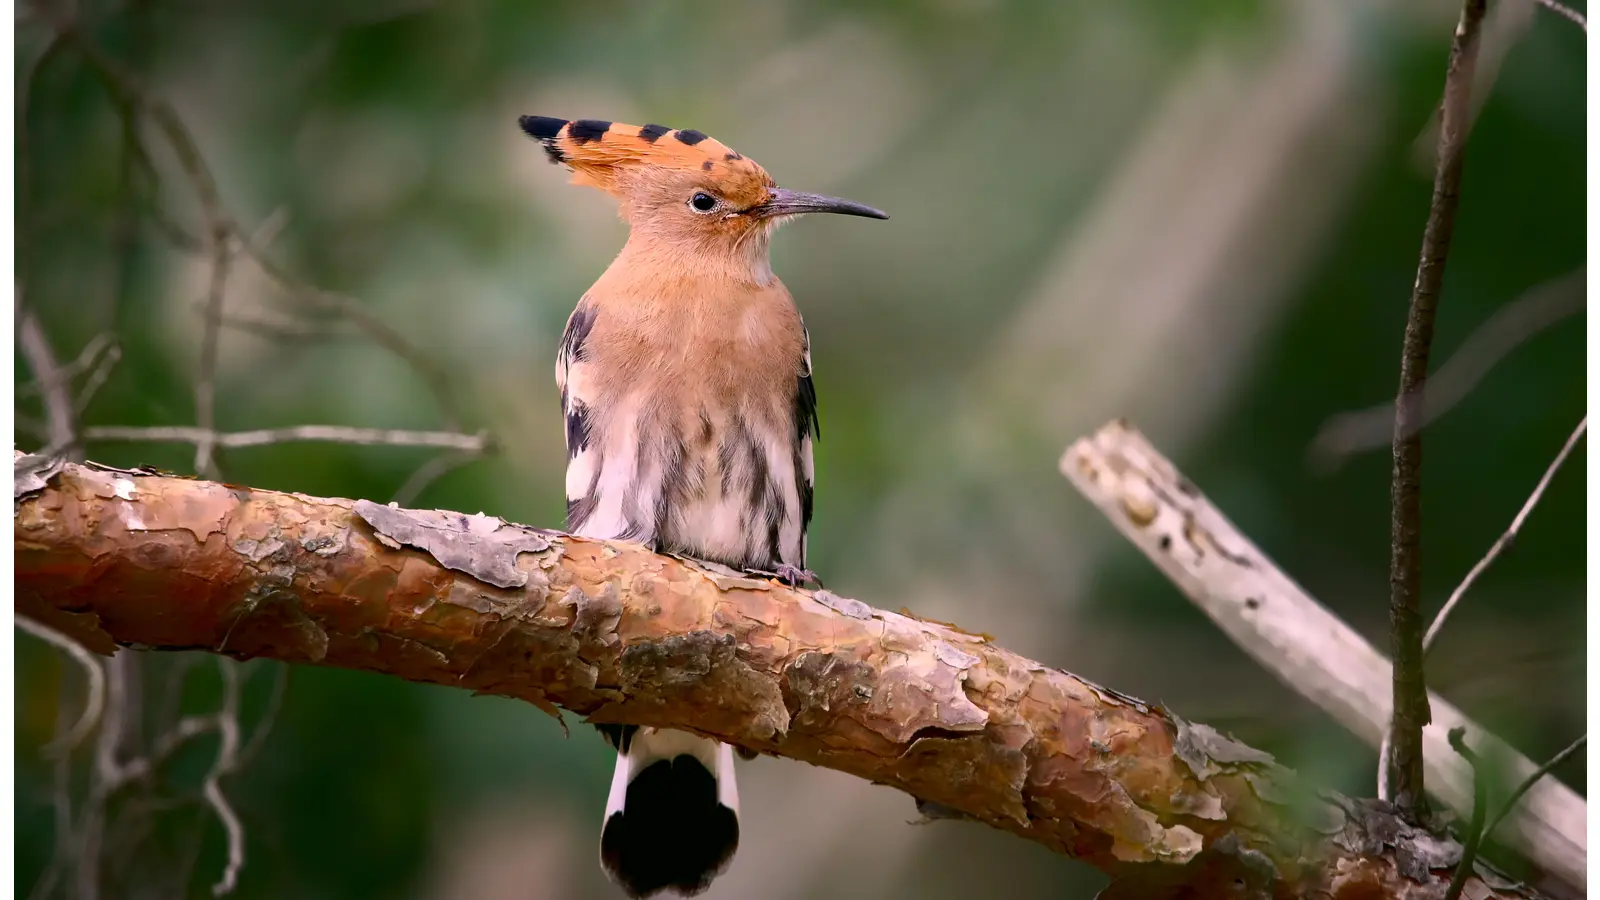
[736, 501]
[721, 485]
[716, 526]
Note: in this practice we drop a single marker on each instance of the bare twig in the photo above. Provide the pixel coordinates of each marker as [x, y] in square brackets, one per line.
[171, 741]
[281, 329]
[1532, 779]
[227, 721]
[171, 700]
[61, 804]
[60, 420]
[1565, 12]
[108, 773]
[224, 244]
[95, 698]
[269, 716]
[337, 434]
[118, 763]
[22, 175]
[1299, 640]
[101, 353]
[223, 231]
[1505, 540]
[29, 424]
[1512, 325]
[219, 230]
[1479, 568]
[1503, 28]
[205, 389]
[433, 375]
[1480, 803]
[112, 774]
[97, 377]
[88, 358]
[431, 471]
[1405, 785]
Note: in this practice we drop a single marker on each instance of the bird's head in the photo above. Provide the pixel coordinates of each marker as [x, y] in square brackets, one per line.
[681, 188]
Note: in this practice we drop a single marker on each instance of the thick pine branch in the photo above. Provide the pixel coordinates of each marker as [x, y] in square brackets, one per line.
[615, 633]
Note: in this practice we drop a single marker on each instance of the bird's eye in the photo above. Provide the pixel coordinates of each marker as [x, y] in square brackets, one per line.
[702, 202]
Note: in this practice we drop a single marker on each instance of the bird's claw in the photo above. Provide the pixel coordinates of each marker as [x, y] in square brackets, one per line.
[794, 576]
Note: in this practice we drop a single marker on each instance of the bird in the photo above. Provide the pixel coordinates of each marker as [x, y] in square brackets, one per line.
[691, 416]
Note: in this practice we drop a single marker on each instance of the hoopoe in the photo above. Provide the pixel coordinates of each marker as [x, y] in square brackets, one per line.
[685, 378]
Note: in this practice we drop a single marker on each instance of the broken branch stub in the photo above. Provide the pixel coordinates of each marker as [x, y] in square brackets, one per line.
[613, 632]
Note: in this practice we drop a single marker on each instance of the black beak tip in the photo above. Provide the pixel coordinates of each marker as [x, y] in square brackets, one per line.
[787, 203]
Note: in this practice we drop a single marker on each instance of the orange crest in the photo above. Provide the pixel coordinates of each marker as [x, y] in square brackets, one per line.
[607, 155]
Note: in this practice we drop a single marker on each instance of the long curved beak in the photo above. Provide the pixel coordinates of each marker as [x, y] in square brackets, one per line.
[790, 203]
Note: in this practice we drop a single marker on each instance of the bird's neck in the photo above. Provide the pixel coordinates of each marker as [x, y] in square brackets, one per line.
[708, 263]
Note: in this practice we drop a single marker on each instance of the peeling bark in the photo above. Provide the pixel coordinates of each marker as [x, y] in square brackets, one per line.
[614, 633]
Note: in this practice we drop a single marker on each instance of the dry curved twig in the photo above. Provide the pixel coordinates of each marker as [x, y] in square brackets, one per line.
[1299, 640]
[95, 698]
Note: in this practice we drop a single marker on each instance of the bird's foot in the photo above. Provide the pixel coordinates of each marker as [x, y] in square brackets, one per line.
[709, 565]
[793, 576]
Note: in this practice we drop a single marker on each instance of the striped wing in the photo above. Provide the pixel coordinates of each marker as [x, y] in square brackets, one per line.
[807, 431]
[583, 457]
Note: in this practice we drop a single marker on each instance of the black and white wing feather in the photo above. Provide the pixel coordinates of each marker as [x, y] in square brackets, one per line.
[576, 384]
[807, 431]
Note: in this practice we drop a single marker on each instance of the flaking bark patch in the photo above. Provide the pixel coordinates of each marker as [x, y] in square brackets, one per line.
[919, 692]
[1372, 828]
[595, 618]
[272, 606]
[819, 688]
[1227, 869]
[844, 606]
[704, 670]
[484, 547]
[991, 774]
[31, 473]
[1208, 752]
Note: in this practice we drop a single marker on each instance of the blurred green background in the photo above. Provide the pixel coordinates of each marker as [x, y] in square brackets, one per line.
[1203, 216]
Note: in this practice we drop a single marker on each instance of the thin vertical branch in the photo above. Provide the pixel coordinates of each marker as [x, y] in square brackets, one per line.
[205, 387]
[1410, 702]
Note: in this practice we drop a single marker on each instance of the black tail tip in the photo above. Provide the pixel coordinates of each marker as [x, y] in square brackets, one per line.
[672, 834]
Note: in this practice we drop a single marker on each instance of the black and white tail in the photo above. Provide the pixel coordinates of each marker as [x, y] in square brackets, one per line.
[672, 821]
